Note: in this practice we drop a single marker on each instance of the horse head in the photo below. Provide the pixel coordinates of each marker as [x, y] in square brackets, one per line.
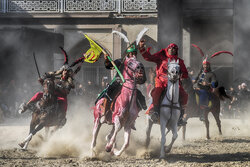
[136, 70]
[173, 70]
[48, 89]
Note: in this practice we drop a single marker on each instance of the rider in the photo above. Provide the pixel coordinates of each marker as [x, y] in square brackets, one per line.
[204, 83]
[161, 59]
[63, 80]
[112, 90]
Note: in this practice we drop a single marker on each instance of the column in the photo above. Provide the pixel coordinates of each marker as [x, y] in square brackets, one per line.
[170, 23]
[241, 62]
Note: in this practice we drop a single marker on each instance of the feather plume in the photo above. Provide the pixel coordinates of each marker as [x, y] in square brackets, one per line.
[199, 49]
[218, 53]
[140, 35]
[66, 59]
[123, 36]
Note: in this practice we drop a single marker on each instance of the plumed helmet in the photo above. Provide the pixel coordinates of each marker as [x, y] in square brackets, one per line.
[205, 61]
[172, 45]
[132, 48]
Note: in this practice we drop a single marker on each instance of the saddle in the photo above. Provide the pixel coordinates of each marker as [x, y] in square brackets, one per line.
[197, 98]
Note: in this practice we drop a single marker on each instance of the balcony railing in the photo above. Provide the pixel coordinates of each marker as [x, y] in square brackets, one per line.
[78, 6]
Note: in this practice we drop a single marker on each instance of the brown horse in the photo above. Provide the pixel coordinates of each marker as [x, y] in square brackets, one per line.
[46, 112]
[193, 108]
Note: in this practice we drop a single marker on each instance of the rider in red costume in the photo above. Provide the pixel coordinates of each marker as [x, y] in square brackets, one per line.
[63, 85]
[161, 59]
[63, 80]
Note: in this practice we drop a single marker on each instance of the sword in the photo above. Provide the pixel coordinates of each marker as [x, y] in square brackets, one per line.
[36, 65]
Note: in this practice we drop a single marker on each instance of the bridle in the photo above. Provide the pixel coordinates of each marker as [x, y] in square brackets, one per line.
[172, 105]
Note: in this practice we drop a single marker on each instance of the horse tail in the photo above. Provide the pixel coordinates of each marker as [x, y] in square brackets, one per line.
[223, 94]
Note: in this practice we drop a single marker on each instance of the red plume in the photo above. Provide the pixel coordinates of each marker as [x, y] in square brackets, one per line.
[218, 53]
[65, 56]
[199, 49]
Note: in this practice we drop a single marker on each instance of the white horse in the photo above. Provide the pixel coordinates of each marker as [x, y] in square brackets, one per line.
[169, 109]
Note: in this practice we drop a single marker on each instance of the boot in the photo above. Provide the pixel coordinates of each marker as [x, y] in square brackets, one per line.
[182, 122]
[141, 101]
[155, 115]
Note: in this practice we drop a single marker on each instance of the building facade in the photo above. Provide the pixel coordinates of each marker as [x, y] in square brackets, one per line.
[40, 26]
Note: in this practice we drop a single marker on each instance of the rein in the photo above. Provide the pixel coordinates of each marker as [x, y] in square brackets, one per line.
[131, 78]
[171, 106]
[133, 89]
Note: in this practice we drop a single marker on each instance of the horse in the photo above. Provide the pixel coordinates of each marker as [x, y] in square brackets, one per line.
[45, 112]
[125, 109]
[192, 109]
[169, 109]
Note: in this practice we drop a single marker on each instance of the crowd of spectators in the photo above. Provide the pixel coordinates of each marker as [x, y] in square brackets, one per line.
[239, 106]
[12, 94]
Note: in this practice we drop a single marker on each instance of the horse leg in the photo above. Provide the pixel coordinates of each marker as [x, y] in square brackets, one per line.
[28, 139]
[33, 124]
[97, 126]
[174, 129]
[108, 137]
[127, 132]
[118, 126]
[184, 128]
[163, 137]
[38, 128]
[174, 137]
[207, 124]
[148, 131]
[216, 114]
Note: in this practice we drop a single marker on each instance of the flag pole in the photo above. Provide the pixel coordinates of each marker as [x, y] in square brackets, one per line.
[116, 68]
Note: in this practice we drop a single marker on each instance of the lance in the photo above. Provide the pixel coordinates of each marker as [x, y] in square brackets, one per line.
[36, 65]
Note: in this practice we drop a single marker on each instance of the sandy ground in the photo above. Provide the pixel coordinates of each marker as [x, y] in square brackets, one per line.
[70, 146]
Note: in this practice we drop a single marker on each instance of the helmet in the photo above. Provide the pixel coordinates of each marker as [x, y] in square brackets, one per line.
[172, 45]
[131, 48]
[205, 61]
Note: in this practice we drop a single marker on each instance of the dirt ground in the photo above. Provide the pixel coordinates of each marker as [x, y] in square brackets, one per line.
[70, 146]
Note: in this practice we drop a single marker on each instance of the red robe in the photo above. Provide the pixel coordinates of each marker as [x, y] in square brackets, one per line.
[161, 59]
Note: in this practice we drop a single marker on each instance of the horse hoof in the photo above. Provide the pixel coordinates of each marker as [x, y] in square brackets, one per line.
[167, 150]
[21, 145]
[93, 154]
[108, 148]
[162, 157]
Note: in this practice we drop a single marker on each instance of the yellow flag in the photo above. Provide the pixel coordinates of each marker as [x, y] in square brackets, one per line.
[94, 52]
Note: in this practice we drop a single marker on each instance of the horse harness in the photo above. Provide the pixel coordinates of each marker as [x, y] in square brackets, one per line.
[172, 103]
